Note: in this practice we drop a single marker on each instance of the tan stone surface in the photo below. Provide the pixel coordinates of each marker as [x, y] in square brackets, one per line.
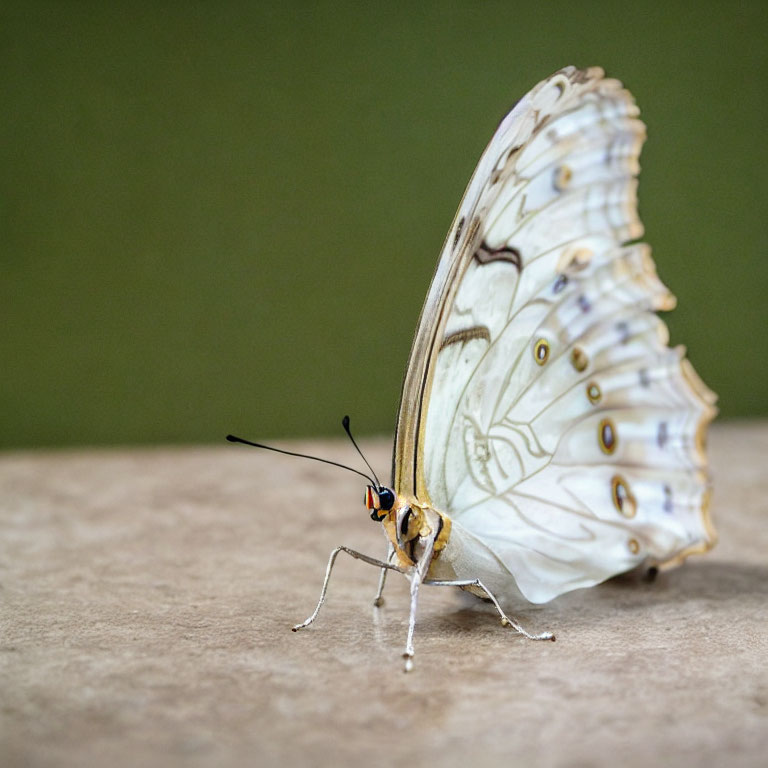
[146, 598]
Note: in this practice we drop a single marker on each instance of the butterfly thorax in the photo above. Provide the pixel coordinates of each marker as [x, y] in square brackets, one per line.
[415, 529]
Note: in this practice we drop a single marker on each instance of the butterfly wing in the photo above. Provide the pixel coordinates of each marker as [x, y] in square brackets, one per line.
[542, 410]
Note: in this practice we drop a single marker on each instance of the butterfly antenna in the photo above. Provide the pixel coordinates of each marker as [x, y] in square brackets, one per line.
[345, 424]
[233, 439]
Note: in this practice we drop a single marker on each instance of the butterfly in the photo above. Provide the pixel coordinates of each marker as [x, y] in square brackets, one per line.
[548, 437]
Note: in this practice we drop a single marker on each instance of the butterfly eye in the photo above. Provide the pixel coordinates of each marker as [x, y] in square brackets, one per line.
[379, 500]
[541, 351]
[386, 499]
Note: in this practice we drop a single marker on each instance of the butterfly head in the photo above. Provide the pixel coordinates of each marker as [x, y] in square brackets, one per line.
[379, 500]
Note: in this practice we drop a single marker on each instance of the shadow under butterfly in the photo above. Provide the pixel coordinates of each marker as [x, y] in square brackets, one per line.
[548, 437]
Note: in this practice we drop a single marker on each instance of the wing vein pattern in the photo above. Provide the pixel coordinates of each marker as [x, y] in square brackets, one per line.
[543, 411]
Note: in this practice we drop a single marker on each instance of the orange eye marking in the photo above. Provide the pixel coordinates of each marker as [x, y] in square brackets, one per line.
[369, 504]
[541, 351]
[623, 499]
[606, 433]
[579, 359]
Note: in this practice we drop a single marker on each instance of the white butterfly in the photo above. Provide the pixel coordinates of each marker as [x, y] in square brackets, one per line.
[547, 438]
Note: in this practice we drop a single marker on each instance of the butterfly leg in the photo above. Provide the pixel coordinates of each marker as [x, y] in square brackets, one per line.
[378, 601]
[416, 577]
[331, 561]
[409, 651]
[505, 620]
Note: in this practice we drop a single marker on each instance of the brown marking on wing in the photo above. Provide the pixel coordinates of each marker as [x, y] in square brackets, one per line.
[459, 229]
[466, 334]
[485, 255]
[474, 227]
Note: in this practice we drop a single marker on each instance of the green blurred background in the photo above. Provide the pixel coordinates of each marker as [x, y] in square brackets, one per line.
[224, 216]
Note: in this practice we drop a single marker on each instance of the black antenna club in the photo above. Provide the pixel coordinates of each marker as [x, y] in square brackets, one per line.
[345, 424]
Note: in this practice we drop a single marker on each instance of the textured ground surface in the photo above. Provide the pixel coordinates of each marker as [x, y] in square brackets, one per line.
[146, 599]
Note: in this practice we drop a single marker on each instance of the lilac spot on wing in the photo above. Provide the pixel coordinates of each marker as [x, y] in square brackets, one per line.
[668, 506]
[663, 435]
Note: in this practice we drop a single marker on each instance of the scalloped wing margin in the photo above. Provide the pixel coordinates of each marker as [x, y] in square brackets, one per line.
[542, 409]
